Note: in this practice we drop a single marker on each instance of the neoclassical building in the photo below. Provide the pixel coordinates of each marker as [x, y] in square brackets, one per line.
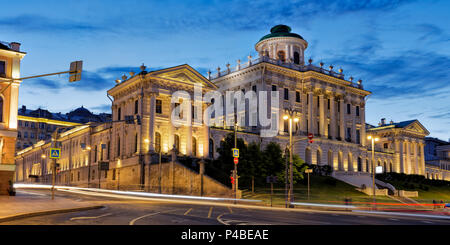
[326, 103]
[10, 58]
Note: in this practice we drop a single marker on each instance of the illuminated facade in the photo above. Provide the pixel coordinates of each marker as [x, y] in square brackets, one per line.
[326, 104]
[10, 57]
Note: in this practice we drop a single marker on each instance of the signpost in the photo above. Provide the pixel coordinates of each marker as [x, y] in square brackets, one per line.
[310, 137]
[236, 160]
[271, 179]
[308, 171]
[379, 169]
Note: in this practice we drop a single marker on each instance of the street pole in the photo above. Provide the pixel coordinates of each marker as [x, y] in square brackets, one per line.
[159, 178]
[291, 165]
[235, 165]
[286, 186]
[54, 166]
[373, 171]
[308, 186]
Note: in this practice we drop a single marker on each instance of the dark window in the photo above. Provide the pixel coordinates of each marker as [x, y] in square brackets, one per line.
[136, 106]
[177, 109]
[281, 55]
[194, 146]
[2, 69]
[297, 96]
[286, 126]
[254, 88]
[159, 106]
[357, 111]
[348, 109]
[349, 134]
[114, 174]
[118, 146]
[95, 154]
[274, 88]
[119, 112]
[243, 90]
[211, 148]
[385, 145]
[19, 135]
[296, 58]
[358, 137]
[329, 102]
[176, 142]
[286, 94]
[135, 142]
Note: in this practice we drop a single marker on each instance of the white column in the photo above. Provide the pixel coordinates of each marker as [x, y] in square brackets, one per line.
[304, 98]
[353, 116]
[342, 119]
[422, 160]
[332, 118]
[408, 158]
[321, 115]
[362, 116]
[151, 131]
[171, 129]
[310, 112]
[402, 158]
[416, 160]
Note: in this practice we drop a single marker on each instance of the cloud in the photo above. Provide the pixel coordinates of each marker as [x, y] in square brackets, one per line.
[408, 74]
[445, 115]
[102, 108]
[38, 23]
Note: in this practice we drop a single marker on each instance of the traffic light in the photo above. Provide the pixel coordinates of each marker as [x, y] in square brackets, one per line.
[75, 71]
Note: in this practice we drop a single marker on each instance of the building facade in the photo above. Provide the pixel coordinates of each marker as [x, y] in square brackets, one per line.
[437, 159]
[39, 124]
[10, 58]
[326, 104]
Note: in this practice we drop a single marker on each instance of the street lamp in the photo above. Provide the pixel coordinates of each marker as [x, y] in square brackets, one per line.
[373, 164]
[290, 117]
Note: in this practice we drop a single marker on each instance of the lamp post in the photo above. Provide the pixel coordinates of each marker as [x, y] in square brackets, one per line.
[373, 165]
[290, 117]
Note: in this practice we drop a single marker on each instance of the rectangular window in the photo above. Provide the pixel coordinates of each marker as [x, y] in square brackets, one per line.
[177, 109]
[136, 106]
[2, 69]
[357, 111]
[358, 137]
[274, 88]
[348, 109]
[329, 102]
[119, 112]
[349, 134]
[385, 145]
[286, 94]
[297, 96]
[159, 106]
[254, 88]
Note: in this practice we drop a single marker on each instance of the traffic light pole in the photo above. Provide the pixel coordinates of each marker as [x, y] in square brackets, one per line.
[235, 165]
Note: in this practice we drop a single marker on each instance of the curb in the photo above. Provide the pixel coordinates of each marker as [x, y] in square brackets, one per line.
[47, 212]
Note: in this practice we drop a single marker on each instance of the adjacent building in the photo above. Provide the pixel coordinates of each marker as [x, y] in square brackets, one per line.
[10, 58]
[437, 159]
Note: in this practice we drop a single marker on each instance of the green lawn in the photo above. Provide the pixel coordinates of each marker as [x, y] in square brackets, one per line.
[322, 190]
[425, 195]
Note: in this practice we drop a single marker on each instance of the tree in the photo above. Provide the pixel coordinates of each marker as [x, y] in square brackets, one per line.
[299, 168]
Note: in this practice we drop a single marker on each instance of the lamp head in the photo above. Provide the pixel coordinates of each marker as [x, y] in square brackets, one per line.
[296, 119]
[285, 117]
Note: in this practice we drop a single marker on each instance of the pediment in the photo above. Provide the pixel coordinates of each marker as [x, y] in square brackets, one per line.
[184, 74]
[417, 127]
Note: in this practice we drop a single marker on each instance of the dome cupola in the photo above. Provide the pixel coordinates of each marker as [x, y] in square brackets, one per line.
[283, 45]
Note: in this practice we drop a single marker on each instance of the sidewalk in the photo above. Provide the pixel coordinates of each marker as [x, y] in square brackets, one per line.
[26, 204]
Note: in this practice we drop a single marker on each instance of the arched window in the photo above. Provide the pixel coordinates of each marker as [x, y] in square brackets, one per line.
[367, 166]
[281, 56]
[136, 142]
[384, 167]
[359, 164]
[296, 58]
[118, 146]
[157, 142]
[340, 161]
[194, 146]
[211, 148]
[391, 169]
[176, 143]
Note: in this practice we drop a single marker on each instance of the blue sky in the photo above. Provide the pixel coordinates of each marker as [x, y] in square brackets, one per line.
[400, 49]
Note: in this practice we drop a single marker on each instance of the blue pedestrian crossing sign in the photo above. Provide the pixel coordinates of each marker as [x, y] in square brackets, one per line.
[55, 153]
[235, 152]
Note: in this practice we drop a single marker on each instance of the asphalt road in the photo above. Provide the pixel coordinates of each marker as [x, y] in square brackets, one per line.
[160, 212]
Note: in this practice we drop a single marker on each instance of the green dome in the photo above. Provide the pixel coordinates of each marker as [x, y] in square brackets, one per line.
[280, 31]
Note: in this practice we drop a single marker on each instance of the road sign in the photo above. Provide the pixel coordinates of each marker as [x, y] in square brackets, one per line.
[379, 169]
[236, 160]
[310, 136]
[271, 179]
[309, 170]
[75, 71]
[235, 152]
[55, 153]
